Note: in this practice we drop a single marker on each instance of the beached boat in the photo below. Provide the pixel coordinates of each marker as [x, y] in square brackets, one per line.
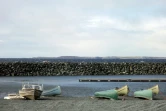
[145, 94]
[52, 92]
[123, 90]
[31, 91]
[155, 89]
[14, 97]
[110, 94]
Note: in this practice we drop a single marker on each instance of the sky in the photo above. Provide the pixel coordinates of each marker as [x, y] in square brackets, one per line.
[53, 28]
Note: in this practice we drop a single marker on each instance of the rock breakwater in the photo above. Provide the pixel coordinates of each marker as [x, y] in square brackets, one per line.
[82, 68]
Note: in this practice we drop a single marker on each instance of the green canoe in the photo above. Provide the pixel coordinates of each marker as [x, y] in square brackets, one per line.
[145, 94]
[52, 92]
[110, 94]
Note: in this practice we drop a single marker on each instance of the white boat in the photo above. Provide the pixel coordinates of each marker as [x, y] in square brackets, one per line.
[31, 91]
[14, 97]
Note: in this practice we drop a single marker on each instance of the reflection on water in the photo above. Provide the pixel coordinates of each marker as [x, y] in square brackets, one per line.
[72, 87]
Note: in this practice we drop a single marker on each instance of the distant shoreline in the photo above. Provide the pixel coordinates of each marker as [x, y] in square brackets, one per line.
[89, 57]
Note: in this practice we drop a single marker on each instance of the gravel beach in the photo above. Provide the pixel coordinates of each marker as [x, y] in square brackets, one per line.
[82, 104]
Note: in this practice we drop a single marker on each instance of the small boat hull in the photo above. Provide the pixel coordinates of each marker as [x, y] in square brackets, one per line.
[31, 94]
[155, 89]
[52, 92]
[110, 94]
[145, 94]
[123, 90]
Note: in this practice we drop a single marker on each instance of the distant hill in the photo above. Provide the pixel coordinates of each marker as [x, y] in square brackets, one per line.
[116, 59]
[109, 57]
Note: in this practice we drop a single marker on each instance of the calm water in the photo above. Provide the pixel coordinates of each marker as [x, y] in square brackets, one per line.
[82, 60]
[72, 87]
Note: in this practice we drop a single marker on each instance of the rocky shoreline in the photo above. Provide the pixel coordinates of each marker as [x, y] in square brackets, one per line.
[81, 68]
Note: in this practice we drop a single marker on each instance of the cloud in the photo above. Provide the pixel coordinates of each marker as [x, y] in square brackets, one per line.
[4, 31]
[146, 24]
[1, 41]
[154, 24]
[111, 23]
[84, 28]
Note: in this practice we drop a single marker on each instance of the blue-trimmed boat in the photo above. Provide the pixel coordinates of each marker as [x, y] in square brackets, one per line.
[52, 92]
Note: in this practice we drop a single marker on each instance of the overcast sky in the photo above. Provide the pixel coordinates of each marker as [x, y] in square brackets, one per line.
[52, 28]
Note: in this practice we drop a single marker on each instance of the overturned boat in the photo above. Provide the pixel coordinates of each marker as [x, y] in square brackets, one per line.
[147, 93]
[114, 93]
[123, 90]
[31, 91]
[109, 94]
[155, 89]
[52, 92]
[144, 94]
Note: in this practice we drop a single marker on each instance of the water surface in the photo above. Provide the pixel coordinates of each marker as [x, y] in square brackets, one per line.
[72, 87]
